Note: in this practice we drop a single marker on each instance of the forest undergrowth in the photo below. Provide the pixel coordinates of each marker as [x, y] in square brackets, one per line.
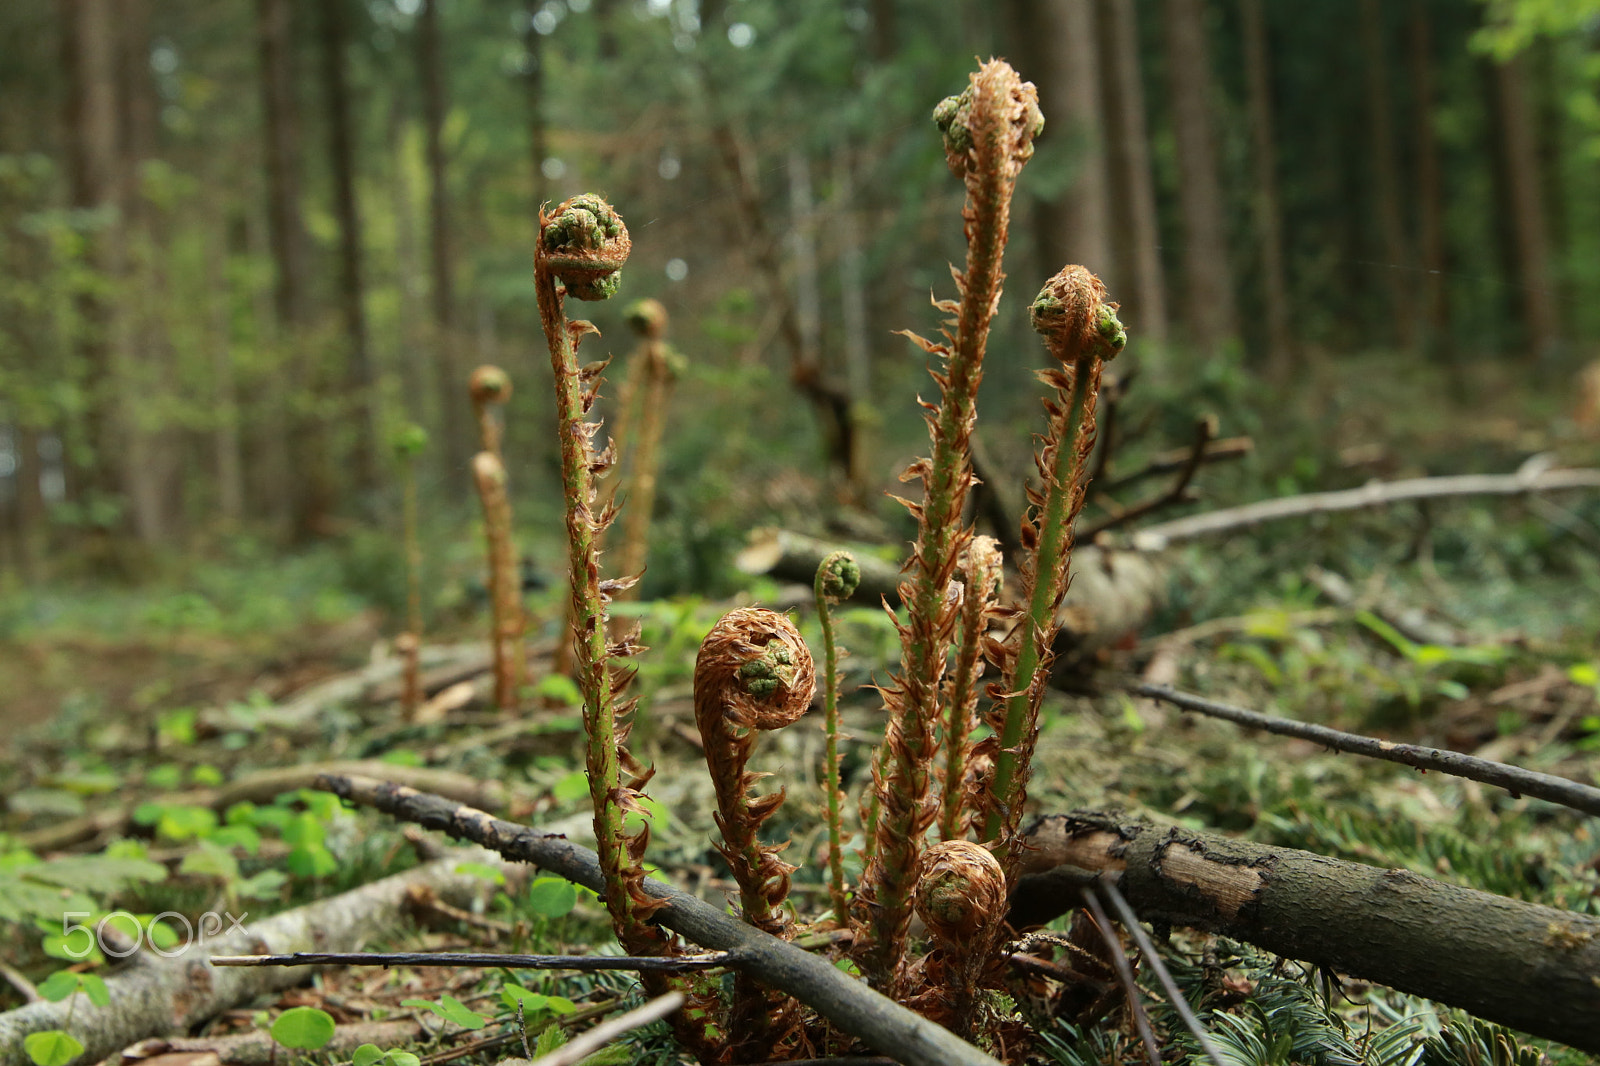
[1468, 625]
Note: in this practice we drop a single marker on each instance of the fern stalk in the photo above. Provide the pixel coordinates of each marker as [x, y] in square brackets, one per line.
[988, 133]
[837, 578]
[1082, 332]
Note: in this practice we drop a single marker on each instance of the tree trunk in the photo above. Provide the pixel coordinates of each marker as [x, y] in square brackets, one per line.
[853, 322]
[1268, 213]
[1057, 46]
[358, 377]
[1526, 195]
[1433, 313]
[1519, 964]
[281, 141]
[1128, 145]
[803, 252]
[1386, 173]
[451, 382]
[88, 58]
[1209, 308]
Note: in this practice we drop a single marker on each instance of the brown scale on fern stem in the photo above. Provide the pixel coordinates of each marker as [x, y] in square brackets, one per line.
[754, 673]
[961, 898]
[988, 135]
[1082, 333]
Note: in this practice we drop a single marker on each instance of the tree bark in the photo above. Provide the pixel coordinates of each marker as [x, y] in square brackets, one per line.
[1281, 356]
[1209, 308]
[358, 376]
[533, 41]
[1433, 313]
[1386, 173]
[1526, 196]
[1519, 964]
[451, 382]
[1128, 147]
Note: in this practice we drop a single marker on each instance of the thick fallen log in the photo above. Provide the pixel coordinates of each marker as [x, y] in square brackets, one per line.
[158, 996]
[1530, 967]
[846, 1002]
[1113, 593]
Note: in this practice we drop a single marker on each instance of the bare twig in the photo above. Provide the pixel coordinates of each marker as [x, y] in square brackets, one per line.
[1216, 451]
[587, 963]
[586, 1044]
[1528, 479]
[1130, 922]
[1178, 492]
[1119, 958]
[1513, 779]
[849, 1004]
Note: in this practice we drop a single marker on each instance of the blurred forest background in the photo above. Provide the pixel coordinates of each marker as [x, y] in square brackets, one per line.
[244, 242]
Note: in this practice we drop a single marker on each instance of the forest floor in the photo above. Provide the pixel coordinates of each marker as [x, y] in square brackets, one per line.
[125, 699]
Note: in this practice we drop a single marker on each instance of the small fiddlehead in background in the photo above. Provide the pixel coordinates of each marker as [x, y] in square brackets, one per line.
[837, 579]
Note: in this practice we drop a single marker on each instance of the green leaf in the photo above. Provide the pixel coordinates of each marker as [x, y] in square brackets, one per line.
[311, 862]
[205, 774]
[59, 985]
[558, 688]
[166, 776]
[461, 1014]
[209, 860]
[531, 1001]
[483, 871]
[403, 1058]
[572, 787]
[1587, 674]
[366, 1055]
[552, 897]
[304, 1028]
[267, 884]
[51, 1048]
[94, 987]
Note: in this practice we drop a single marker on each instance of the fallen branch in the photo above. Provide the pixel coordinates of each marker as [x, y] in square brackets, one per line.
[846, 1002]
[259, 1049]
[585, 963]
[1178, 492]
[158, 996]
[1513, 779]
[1167, 462]
[791, 556]
[1373, 494]
[1523, 965]
[265, 786]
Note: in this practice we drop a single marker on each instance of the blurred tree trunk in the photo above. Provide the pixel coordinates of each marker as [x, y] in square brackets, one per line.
[1386, 173]
[853, 321]
[1209, 308]
[803, 253]
[537, 140]
[1281, 353]
[29, 513]
[1433, 313]
[605, 13]
[294, 475]
[358, 383]
[152, 451]
[1057, 46]
[451, 382]
[885, 31]
[1134, 203]
[226, 451]
[1525, 195]
[93, 460]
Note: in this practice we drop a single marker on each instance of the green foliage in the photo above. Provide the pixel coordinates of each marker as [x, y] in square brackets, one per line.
[304, 1028]
[52, 1047]
[450, 1009]
[372, 1055]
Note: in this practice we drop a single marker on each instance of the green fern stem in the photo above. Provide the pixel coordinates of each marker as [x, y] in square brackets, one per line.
[837, 578]
[582, 226]
[1082, 332]
[988, 131]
